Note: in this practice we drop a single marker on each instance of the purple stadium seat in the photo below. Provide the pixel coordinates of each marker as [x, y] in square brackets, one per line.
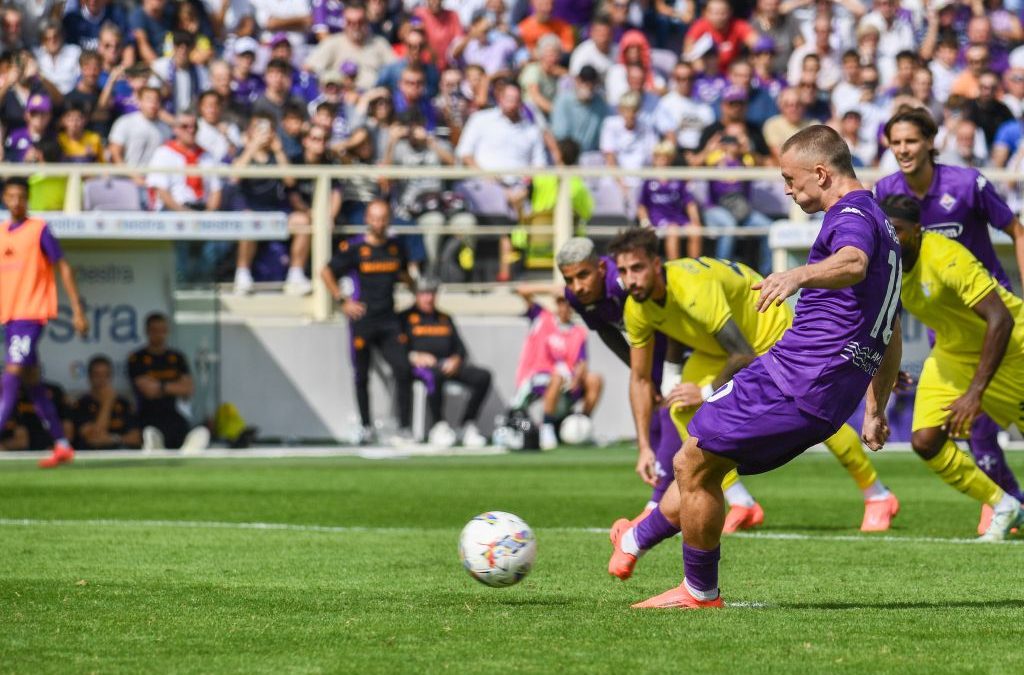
[486, 199]
[110, 194]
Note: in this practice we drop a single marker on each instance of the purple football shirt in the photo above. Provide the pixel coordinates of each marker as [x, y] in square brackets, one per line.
[665, 201]
[827, 359]
[960, 204]
[608, 311]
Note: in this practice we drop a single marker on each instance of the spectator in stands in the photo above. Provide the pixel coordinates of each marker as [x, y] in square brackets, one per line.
[376, 262]
[729, 33]
[868, 36]
[20, 142]
[442, 28]
[542, 23]
[262, 148]
[628, 142]
[921, 89]
[485, 45]
[355, 43]
[864, 152]
[415, 42]
[734, 111]
[278, 91]
[121, 100]
[220, 83]
[599, 50]
[765, 77]
[22, 82]
[578, 114]
[219, 137]
[86, 93]
[293, 124]
[12, 34]
[906, 63]
[438, 355]
[103, 418]
[328, 18]
[150, 25]
[962, 151]
[181, 192]
[896, 34]
[58, 62]
[979, 32]
[953, 112]
[791, 119]
[160, 377]
[359, 191]
[816, 101]
[986, 111]
[781, 29]
[410, 144]
[300, 197]
[77, 143]
[411, 95]
[182, 80]
[25, 430]
[945, 70]
[539, 79]
[634, 52]
[34, 14]
[760, 103]
[830, 71]
[679, 116]
[452, 105]
[709, 81]
[967, 83]
[847, 93]
[246, 86]
[83, 26]
[111, 48]
[622, 17]
[304, 83]
[666, 205]
[136, 136]
[1013, 90]
[730, 200]
[502, 138]
[535, 240]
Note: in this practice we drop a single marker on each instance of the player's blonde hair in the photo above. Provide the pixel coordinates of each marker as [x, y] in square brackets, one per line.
[823, 145]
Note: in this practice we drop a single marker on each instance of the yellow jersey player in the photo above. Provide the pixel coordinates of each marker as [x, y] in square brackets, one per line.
[976, 365]
[709, 305]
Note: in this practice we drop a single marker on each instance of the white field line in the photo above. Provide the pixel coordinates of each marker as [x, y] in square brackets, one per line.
[343, 529]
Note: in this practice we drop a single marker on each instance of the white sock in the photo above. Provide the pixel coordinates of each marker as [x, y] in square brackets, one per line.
[296, 274]
[1007, 503]
[651, 506]
[628, 543]
[701, 595]
[875, 492]
[737, 495]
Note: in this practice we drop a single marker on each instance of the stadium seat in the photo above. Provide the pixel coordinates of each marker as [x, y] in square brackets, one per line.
[592, 158]
[110, 194]
[610, 208]
[486, 199]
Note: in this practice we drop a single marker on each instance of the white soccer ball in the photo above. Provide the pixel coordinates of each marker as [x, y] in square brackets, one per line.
[442, 435]
[575, 429]
[497, 548]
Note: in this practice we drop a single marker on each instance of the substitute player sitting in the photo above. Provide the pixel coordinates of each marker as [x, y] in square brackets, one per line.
[976, 365]
[28, 299]
[709, 305]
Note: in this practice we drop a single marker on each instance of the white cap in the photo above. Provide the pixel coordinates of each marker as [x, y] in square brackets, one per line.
[245, 44]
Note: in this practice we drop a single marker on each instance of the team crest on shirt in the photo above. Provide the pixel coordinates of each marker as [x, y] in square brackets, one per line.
[947, 201]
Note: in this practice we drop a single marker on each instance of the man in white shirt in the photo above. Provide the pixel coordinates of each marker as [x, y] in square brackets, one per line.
[830, 73]
[58, 62]
[628, 141]
[181, 79]
[944, 68]
[896, 34]
[599, 50]
[218, 137]
[679, 116]
[294, 17]
[136, 136]
[501, 138]
[178, 191]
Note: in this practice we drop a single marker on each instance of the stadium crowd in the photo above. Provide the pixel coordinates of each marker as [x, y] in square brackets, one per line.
[495, 84]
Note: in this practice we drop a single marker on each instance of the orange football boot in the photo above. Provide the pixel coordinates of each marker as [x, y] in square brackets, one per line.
[743, 518]
[62, 454]
[678, 598]
[621, 563]
[878, 514]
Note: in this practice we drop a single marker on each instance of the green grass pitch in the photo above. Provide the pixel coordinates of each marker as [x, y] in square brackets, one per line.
[380, 589]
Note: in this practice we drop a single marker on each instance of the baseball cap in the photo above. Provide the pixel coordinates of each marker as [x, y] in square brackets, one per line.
[349, 69]
[332, 77]
[588, 73]
[38, 103]
[245, 45]
[734, 93]
[764, 44]
[279, 38]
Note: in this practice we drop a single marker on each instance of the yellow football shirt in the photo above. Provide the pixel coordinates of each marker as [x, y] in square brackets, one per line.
[702, 295]
[942, 288]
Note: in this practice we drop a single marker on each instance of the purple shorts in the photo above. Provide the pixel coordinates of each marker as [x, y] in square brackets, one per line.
[22, 342]
[666, 443]
[753, 423]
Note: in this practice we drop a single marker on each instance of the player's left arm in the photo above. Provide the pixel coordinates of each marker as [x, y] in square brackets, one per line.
[875, 431]
[844, 268]
[1016, 232]
[614, 340]
[67, 276]
[998, 328]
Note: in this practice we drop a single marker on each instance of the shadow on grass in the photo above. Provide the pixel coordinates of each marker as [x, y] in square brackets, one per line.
[1014, 603]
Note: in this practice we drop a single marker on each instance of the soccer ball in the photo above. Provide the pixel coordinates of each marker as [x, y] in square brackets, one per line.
[497, 548]
[575, 429]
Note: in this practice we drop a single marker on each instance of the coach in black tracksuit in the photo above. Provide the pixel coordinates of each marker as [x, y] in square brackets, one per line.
[375, 264]
[438, 355]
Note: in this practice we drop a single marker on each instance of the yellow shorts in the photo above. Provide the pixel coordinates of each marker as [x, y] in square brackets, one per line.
[700, 369]
[944, 378]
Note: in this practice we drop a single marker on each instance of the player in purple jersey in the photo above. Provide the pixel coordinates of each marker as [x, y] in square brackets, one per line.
[958, 203]
[845, 340]
[595, 291]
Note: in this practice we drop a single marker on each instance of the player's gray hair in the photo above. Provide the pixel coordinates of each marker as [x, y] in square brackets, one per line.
[575, 251]
[822, 144]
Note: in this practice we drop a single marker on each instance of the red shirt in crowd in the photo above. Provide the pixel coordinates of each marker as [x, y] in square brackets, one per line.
[728, 43]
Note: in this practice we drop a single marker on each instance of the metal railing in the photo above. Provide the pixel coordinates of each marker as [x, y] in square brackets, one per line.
[322, 226]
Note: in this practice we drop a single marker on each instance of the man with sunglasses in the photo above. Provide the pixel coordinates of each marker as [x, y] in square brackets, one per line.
[679, 116]
[177, 191]
[371, 53]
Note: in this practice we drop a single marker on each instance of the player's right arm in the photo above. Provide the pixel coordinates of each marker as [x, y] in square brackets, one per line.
[842, 269]
[342, 262]
[641, 400]
[67, 276]
[875, 431]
